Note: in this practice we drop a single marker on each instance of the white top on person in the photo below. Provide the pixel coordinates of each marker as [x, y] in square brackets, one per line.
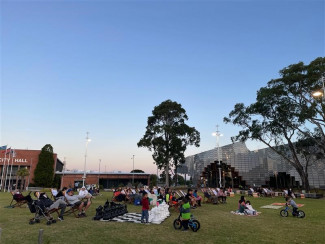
[83, 192]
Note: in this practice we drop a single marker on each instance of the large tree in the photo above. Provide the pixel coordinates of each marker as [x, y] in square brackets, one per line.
[168, 136]
[44, 172]
[285, 116]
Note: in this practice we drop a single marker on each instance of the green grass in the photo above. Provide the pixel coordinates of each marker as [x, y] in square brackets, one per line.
[218, 225]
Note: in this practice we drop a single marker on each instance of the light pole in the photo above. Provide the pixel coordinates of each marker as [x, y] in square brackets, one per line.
[217, 134]
[84, 176]
[64, 166]
[99, 172]
[133, 171]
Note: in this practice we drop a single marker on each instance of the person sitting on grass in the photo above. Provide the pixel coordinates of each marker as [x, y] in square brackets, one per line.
[241, 205]
[76, 201]
[197, 198]
[291, 202]
[249, 209]
[222, 196]
[185, 213]
[145, 208]
[191, 198]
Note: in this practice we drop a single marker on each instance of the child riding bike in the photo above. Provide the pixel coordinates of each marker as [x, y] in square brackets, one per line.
[185, 213]
[292, 203]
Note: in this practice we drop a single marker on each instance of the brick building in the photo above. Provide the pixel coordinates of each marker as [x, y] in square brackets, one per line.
[28, 159]
[107, 180]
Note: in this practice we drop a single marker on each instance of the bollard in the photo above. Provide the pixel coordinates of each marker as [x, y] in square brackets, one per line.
[40, 236]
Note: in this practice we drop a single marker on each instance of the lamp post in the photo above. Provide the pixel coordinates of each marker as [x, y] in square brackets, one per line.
[321, 93]
[64, 166]
[133, 171]
[217, 134]
[99, 172]
[84, 176]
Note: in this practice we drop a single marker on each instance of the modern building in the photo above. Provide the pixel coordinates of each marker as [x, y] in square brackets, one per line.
[10, 163]
[241, 167]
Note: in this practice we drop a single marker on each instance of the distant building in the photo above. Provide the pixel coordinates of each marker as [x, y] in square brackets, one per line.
[242, 167]
[106, 179]
[29, 160]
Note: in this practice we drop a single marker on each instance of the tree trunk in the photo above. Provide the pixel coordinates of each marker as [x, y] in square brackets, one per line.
[304, 178]
[305, 182]
[176, 183]
[21, 183]
[167, 175]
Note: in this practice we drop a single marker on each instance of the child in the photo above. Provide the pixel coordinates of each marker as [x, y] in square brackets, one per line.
[185, 212]
[197, 198]
[145, 208]
[249, 209]
[291, 202]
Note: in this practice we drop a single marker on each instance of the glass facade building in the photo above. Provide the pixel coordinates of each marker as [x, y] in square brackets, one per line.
[242, 167]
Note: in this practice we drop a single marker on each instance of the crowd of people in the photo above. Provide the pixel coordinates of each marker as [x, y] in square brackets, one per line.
[157, 195]
[154, 196]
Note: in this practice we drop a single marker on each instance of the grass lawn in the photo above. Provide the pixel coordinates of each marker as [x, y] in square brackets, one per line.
[218, 225]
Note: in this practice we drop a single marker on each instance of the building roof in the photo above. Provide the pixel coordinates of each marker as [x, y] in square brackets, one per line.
[78, 172]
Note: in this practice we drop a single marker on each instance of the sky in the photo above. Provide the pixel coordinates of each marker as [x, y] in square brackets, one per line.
[71, 67]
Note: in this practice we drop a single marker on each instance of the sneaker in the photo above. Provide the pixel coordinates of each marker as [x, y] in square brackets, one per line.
[185, 230]
[84, 214]
[60, 218]
[80, 215]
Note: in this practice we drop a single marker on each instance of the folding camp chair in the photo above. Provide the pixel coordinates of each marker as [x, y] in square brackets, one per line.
[17, 200]
[71, 209]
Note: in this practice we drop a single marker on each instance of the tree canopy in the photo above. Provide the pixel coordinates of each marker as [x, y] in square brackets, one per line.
[44, 172]
[22, 173]
[168, 136]
[286, 116]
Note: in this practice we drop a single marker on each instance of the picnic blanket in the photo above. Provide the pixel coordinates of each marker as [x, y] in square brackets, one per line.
[242, 214]
[278, 205]
[283, 204]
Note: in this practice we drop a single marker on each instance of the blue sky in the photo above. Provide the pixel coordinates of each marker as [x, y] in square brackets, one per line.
[68, 67]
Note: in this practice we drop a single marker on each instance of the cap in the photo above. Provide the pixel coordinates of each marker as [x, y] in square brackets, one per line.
[69, 190]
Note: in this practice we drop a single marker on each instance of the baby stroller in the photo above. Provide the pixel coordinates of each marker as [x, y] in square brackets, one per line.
[37, 207]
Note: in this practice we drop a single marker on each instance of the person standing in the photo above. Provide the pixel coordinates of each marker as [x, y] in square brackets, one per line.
[145, 208]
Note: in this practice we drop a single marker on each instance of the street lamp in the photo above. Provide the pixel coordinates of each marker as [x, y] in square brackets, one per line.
[84, 176]
[99, 171]
[133, 171]
[64, 167]
[217, 134]
[322, 92]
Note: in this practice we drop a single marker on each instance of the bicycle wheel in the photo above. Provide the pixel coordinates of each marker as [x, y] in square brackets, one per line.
[301, 214]
[177, 224]
[195, 225]
[284, 213]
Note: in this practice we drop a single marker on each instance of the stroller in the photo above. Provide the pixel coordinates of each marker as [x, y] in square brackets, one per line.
[38, 208]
